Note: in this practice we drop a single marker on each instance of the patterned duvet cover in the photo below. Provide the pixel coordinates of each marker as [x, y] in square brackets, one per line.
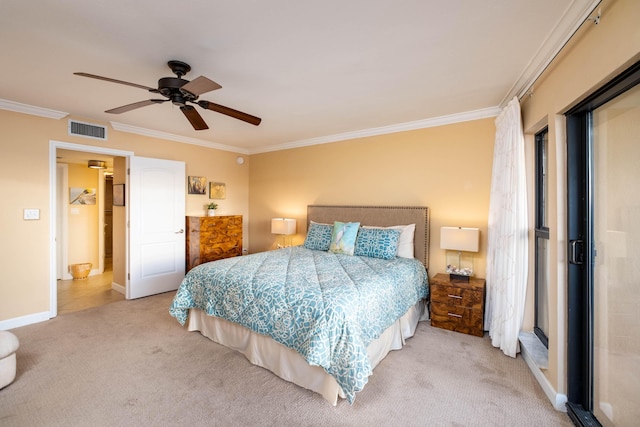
[328, 307]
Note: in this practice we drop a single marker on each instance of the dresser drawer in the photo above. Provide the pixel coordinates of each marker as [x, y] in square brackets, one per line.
[455, 296]
[457, 318]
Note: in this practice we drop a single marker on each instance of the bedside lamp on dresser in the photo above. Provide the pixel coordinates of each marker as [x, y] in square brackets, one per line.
[457, 298]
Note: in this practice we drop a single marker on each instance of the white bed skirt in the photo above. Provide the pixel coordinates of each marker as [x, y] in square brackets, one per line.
[288, 364]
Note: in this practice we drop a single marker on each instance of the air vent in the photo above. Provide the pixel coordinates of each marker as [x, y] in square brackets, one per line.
[87, 130]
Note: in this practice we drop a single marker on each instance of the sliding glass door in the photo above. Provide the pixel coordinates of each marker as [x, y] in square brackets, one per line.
[604, 275]
[616, 231]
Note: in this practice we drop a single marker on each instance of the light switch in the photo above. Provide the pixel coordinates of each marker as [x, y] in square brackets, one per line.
[32, 214]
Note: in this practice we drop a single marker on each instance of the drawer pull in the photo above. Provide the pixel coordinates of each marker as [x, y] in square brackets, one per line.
[454, 296]
[453, 315]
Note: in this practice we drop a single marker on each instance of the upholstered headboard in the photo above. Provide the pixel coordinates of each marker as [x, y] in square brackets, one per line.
[381, 216]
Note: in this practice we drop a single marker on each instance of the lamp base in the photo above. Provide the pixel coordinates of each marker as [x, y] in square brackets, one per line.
[458, 277]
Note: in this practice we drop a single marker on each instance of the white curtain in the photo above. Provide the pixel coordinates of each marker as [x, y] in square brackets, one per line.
[507, 253]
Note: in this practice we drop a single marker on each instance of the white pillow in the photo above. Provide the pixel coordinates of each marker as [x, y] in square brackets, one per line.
[405, 243]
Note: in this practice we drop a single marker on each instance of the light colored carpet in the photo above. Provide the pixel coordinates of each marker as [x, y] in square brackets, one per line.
[130, 363]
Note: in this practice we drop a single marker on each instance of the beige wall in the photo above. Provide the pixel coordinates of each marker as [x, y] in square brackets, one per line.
[397, 169]
[595, 55]
[24, 182]
[446, 168]
[83, 219]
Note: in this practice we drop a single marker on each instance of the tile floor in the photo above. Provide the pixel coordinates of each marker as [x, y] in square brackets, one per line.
[76, 295]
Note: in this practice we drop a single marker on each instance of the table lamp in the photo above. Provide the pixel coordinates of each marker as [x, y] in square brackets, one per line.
[460, 239]
[284, 227]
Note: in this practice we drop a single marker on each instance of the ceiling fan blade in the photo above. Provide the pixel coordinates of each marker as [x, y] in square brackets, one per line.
[194, 117]
[200, 85]
[107, 79]
[135, 105]
[230, 112]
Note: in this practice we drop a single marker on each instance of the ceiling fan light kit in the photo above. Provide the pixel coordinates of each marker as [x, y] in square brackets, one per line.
[181, 93]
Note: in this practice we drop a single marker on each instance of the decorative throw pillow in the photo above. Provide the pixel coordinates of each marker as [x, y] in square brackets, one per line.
[318, 236]
[405, 243]
[377, 243]
[343, 238]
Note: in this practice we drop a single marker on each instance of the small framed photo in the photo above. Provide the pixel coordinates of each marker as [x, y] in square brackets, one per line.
[118, 194]
[82, 196]
[197, 185]
[217, 190]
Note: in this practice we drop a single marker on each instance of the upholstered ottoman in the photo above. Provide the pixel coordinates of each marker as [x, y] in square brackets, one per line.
[8, 346]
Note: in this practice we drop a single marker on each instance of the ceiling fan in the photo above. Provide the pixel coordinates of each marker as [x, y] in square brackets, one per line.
[182, 93]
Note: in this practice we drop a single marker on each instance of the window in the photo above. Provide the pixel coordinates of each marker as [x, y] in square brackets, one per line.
[541, 327]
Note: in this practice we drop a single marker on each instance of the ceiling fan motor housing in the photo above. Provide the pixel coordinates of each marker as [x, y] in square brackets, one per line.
[170, 87]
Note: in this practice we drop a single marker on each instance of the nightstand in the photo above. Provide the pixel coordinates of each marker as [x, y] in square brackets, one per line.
[457, 306]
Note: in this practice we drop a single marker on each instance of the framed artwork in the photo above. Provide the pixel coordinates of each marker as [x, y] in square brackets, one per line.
[118, 194]
[197, 185]
[217, 190]
[82, 196]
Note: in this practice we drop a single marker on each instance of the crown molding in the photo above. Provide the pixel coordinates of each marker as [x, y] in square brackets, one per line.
[575, 15]
[18, 107]
[402, 127]
[173, 137]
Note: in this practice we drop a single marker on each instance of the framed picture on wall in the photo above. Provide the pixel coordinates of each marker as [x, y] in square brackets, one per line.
[217, 190]
[82, 196]
[118, 194]
[197, 185]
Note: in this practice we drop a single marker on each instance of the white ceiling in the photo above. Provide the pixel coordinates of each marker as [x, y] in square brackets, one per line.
[313, 71]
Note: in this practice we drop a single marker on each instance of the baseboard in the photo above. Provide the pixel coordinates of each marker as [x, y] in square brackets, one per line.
[118, 288]
[30, 319]
[558, 400]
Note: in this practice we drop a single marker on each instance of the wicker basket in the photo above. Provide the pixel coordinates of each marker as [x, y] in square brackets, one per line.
[80, 271]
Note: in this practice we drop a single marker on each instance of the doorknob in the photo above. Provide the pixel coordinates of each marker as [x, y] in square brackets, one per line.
[180, 232]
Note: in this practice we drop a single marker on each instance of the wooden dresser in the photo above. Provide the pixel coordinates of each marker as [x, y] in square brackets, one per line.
[212, 237]
[456, 305]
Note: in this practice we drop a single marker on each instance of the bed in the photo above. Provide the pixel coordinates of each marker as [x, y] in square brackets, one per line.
[320, 318]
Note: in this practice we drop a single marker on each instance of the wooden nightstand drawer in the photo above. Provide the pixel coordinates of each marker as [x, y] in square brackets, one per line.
[457, 306]
[453, 296]
[456, 318]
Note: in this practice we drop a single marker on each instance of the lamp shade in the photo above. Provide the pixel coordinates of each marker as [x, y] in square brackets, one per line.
[283, 226]
[460, 239]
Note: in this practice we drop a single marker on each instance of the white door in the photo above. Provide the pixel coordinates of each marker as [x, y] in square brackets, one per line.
[156, 198]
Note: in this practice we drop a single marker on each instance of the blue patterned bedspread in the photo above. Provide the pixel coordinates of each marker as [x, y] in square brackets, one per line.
[327, 307]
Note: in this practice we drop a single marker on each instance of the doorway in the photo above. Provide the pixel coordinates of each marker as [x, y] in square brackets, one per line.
[604, 277]
[66, 294]
[81, 223]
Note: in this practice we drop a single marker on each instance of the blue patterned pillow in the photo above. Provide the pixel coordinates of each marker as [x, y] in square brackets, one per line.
[318, 237]
[343, 238]
[377, 242]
